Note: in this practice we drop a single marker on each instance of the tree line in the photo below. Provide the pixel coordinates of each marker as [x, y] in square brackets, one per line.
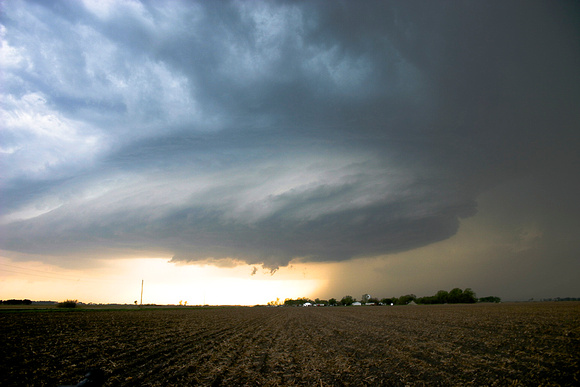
[63, 304]
[454, 296]
[16, 302]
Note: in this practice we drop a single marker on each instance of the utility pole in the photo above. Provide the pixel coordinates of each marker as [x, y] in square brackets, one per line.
[141, 292]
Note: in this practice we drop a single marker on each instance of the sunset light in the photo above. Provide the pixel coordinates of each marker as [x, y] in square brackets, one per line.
[119, 281]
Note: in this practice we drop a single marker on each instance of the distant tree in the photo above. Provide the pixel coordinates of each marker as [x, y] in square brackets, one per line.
[16, 302]
[347, 300]
[67, 304]
[427, 300]
[404, 300]
[490, 299]
[332, 302]
[468, 296]
[387, 301]
[297, 302]
[455, 296]
[291, 302]
[442, 296]
[274, 303]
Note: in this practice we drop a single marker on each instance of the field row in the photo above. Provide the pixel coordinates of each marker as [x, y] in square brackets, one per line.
[528, 344]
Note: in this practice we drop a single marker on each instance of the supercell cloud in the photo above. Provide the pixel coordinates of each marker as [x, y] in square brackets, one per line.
[263, 132]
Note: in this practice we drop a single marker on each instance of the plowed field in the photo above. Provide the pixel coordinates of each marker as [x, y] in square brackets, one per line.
[499, 344]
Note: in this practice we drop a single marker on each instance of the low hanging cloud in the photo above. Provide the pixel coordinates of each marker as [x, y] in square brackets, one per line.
[266, 132]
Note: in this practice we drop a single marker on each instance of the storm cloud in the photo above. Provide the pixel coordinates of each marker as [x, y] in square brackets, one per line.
[263, 132]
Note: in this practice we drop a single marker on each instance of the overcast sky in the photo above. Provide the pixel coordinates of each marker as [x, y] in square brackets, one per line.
[435, 140]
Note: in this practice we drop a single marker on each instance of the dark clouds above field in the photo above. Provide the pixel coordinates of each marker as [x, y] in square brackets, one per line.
[267, 131]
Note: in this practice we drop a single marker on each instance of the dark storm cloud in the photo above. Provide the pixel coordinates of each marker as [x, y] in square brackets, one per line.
[265, 131]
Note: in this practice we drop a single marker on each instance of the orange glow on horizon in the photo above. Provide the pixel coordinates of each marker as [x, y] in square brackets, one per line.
[119, 281]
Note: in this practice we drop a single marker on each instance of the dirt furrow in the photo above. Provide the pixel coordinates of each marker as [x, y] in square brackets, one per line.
[529, 344]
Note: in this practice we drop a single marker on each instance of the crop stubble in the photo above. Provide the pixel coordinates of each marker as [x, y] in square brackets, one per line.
[505, 344]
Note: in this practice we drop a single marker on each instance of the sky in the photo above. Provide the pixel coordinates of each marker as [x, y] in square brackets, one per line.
[233, 152]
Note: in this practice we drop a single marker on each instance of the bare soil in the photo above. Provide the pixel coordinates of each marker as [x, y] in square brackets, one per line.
[485, 344]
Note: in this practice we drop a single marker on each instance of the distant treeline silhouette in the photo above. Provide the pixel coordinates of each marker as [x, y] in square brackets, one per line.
[455, 296]
[67, 304]
[15, 302]
[63, 304]
[561, 299]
